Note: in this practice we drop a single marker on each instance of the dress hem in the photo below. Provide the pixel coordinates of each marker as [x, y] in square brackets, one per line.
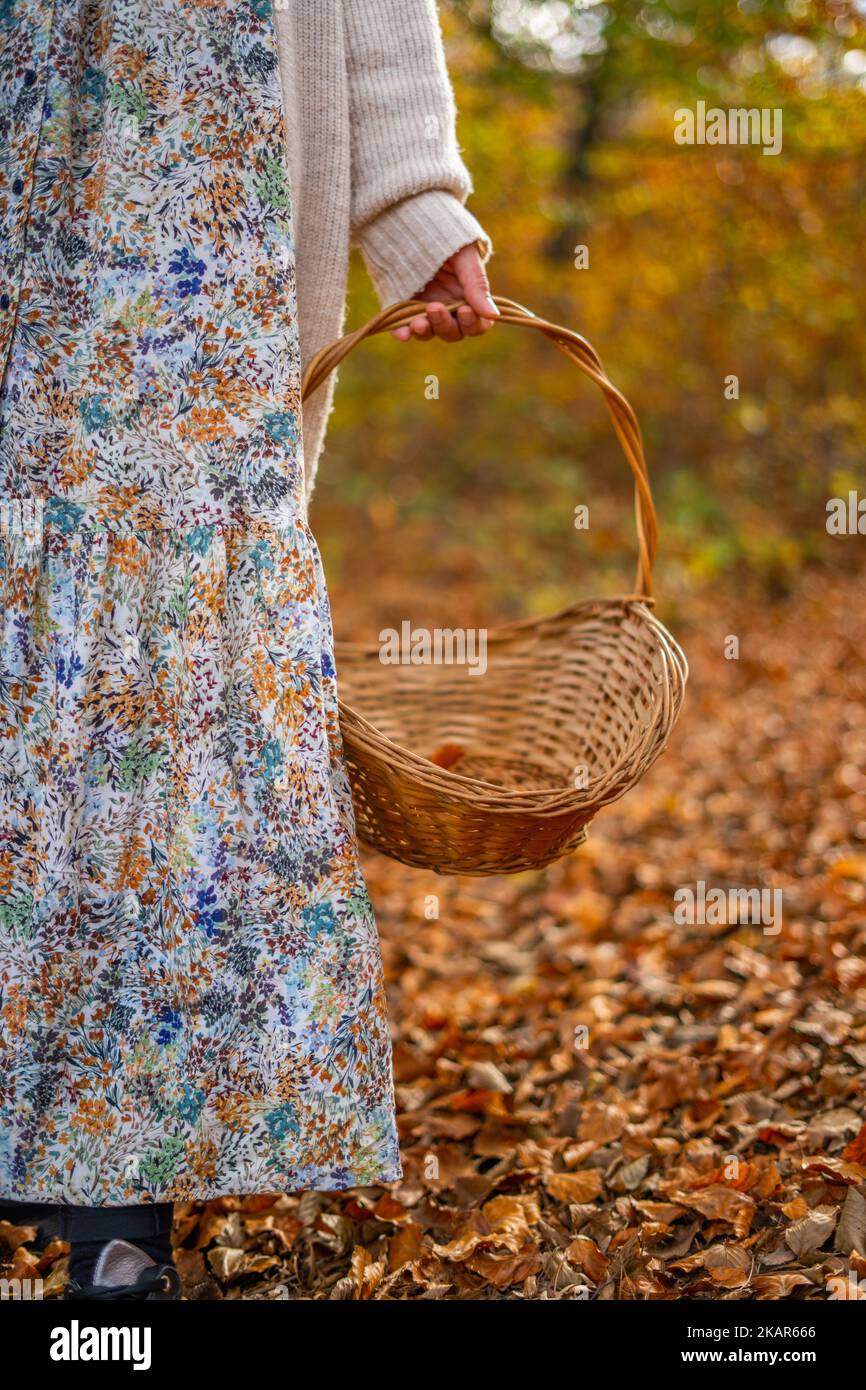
[210, 1194]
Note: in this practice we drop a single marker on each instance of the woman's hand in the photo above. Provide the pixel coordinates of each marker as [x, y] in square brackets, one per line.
[462, 276]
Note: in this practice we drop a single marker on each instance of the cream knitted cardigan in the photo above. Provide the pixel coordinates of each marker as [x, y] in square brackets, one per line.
[373, 158]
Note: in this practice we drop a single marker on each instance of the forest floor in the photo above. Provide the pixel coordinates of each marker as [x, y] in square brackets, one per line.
[596, 1101]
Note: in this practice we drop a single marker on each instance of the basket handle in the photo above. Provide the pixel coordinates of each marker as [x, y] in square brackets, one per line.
[580, 352]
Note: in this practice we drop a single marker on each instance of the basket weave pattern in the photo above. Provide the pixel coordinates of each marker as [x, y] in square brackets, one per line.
[569, 714]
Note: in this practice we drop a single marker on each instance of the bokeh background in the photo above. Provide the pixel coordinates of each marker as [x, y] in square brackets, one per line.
[704, 262]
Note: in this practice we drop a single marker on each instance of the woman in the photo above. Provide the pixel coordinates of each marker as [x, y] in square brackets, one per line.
[191, 998]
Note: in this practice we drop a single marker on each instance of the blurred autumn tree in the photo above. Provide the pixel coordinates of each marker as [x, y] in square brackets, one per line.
[705, 262]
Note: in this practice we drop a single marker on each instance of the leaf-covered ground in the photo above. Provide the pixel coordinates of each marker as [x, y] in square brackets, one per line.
[595, 1101]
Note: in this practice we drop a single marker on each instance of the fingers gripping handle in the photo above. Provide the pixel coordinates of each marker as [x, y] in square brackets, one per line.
[579, 351]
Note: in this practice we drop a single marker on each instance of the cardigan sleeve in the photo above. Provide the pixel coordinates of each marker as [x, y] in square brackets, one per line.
[409, 183]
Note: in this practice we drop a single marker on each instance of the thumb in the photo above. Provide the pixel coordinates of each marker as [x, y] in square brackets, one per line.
[469, 269]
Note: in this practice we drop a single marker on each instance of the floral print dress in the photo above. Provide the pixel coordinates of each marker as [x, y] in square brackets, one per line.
[191, 994]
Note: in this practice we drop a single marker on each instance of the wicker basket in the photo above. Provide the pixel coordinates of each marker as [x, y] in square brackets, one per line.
[570, 713]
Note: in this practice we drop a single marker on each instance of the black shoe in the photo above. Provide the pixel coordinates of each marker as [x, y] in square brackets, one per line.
[124, 1271]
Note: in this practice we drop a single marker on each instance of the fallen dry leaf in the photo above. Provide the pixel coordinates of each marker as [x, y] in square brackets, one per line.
[723, 1204]
[585, 1254]
[807, 1235]
[574, 1187]
[851, 1231]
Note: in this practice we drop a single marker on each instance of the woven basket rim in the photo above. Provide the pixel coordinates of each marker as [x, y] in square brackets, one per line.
[637, 603]
[459, 789]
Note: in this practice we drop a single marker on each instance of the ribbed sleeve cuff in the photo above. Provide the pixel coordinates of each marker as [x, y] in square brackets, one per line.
[406, 244]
